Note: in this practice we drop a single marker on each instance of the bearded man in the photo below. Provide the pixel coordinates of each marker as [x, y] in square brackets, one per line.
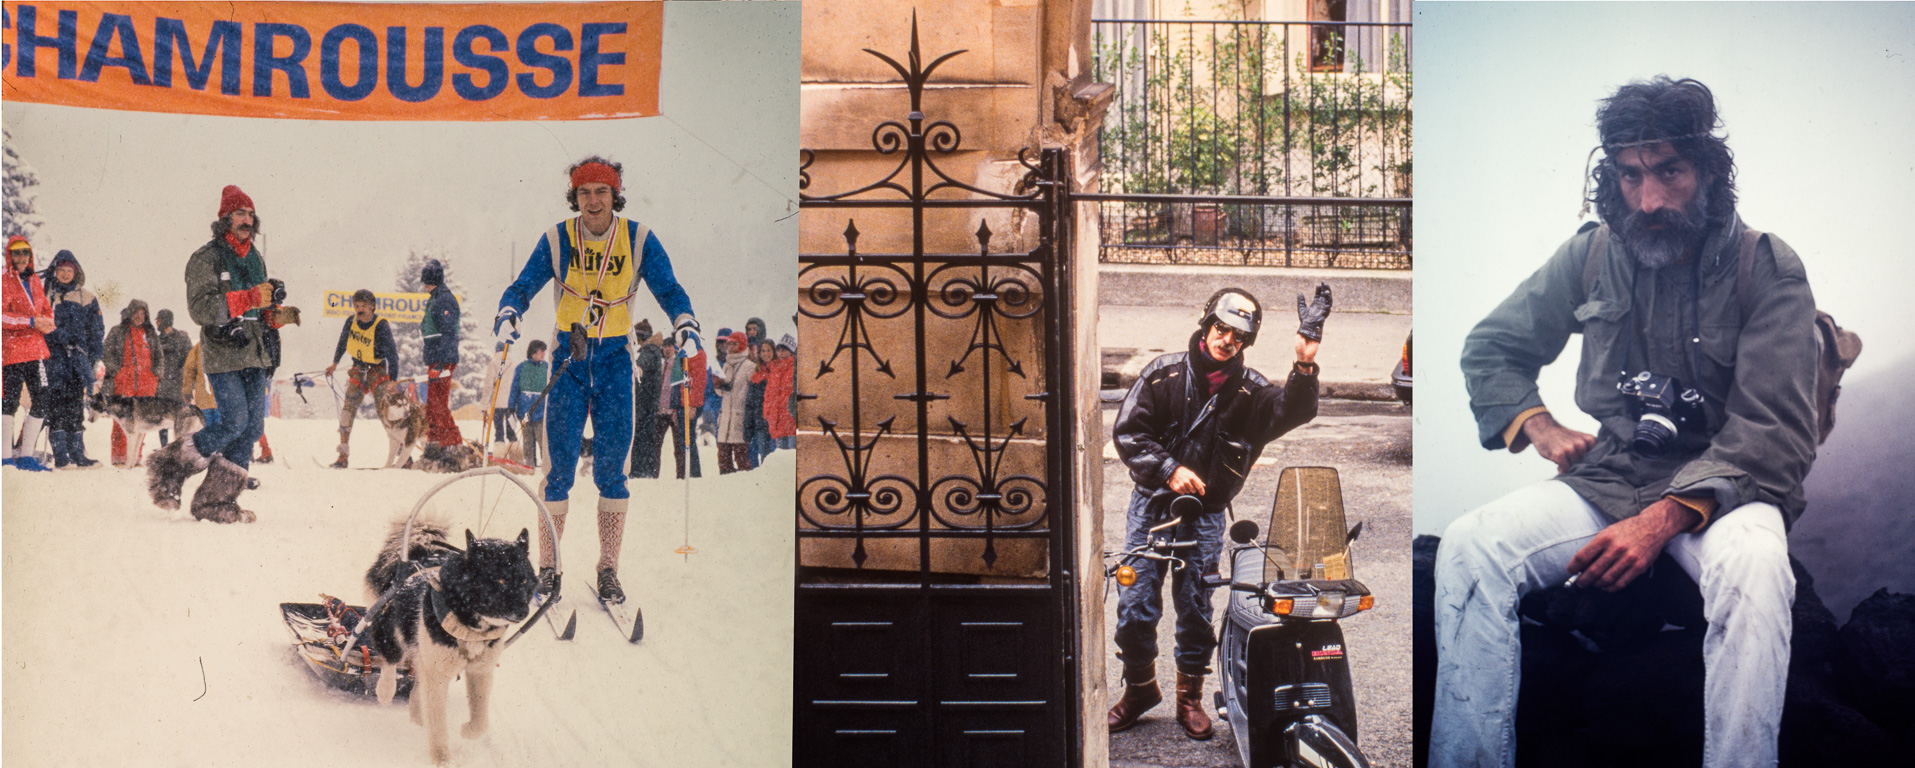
[1699, 361]
[237, 307]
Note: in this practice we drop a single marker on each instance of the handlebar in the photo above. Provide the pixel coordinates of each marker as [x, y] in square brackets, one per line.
[1158, 544]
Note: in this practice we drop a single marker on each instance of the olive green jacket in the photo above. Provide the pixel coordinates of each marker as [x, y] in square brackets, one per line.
[1756, 373]
[206, 304]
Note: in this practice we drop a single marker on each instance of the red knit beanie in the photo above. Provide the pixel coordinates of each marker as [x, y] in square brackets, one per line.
[231, 199]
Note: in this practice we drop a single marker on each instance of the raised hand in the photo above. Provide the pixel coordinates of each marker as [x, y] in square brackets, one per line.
[1311, 314]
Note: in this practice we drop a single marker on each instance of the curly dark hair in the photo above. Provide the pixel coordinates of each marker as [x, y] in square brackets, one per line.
[1681, 112]
[571, 193]
[221, 225]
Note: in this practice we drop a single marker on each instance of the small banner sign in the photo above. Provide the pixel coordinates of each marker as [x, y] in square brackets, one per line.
[338, 61]
[397, 307]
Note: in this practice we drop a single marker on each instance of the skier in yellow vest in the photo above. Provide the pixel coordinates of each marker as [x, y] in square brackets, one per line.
[367, 338]
[596, 261]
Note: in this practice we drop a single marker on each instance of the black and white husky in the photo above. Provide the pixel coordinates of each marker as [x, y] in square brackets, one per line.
[451, 617]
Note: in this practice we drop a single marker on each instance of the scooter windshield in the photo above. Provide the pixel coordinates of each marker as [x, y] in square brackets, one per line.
[1308, 539]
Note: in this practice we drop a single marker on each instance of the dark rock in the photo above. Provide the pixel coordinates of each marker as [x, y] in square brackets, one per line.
[1819, 729]
[1423, 641]
[1643, 706]
[1818, 726]
[1812, 640]
[1616, 679]
[1553, 660]
[1876, 668]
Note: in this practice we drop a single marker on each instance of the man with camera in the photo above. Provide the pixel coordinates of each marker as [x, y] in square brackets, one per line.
[1193, 424]
[238, 310]
[1699, 360]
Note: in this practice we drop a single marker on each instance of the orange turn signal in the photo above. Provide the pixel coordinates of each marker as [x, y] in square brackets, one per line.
[1282, 606]
[1366, 602]
[1126, 575]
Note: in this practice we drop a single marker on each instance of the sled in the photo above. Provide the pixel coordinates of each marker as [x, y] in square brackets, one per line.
[321, 632]
[330, 636]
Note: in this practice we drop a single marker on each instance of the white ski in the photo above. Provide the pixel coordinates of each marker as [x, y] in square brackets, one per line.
[630, 625]
[562, 631]
[562, 626]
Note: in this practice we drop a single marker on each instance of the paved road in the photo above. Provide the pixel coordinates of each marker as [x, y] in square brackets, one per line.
[1369, 445]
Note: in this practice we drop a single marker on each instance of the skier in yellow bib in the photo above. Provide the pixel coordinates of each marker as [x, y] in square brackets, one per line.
[595, 262]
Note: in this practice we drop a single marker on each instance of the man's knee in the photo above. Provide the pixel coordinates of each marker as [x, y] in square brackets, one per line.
[1467, 541]
[1751, 552]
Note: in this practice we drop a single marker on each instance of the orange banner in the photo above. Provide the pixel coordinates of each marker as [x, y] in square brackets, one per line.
[338, 61]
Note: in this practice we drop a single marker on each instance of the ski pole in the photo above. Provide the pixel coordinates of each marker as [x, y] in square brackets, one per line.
[498, 377]
[691, 441]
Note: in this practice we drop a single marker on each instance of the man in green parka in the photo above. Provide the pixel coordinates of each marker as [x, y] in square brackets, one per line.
[238, 310]
[1700, 363]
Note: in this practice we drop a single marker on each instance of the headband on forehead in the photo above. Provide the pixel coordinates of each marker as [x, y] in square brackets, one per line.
[1608, 149]
[595, 173]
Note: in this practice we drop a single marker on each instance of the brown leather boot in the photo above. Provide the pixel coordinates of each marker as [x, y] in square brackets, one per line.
[1138, 698]
[1190, 707]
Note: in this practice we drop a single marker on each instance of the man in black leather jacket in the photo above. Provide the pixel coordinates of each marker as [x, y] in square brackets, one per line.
[1193, 424]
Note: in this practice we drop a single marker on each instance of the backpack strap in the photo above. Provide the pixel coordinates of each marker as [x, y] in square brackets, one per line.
[1745, 264]
[1592, 263]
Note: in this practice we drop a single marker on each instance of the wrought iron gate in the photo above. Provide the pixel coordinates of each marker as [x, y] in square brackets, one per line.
[935, 619]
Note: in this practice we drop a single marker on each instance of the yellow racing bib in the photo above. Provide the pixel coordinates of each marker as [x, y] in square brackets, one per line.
[359, 340]
[600, 278]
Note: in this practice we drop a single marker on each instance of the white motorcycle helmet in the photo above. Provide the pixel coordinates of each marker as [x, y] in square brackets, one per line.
[1234, 307]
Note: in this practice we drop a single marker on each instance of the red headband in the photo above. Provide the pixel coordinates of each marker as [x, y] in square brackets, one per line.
[595, 173]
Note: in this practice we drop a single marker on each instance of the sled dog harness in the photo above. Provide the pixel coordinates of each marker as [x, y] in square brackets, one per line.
[600, 279]
[449, 621]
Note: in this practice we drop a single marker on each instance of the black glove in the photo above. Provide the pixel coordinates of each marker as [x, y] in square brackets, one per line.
[279, 290]
[229, 333]
[1311, 315]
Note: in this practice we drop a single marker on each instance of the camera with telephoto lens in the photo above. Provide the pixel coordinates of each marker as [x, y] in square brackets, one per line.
[1662, 407]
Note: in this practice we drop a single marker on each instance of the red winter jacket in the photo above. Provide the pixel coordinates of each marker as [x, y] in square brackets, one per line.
[24, 299]
[779, 378]
[695, 369]
[132, 359]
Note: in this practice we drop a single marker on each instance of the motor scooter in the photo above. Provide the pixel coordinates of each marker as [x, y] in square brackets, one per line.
[1284, 668]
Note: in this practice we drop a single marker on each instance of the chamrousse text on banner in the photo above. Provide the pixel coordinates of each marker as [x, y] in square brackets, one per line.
[338, 61]
[397, 307]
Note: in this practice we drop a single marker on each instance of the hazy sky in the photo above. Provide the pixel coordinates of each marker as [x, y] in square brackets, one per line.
[132, 194]
[1816, 102]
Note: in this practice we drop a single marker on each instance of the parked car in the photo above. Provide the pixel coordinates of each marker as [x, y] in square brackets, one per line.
[1400, 374]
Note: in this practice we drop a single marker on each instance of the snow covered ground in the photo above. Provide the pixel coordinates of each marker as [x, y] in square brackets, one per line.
[132, 635]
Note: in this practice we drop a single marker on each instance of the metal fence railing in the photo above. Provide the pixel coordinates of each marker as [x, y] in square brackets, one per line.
[1270, 143]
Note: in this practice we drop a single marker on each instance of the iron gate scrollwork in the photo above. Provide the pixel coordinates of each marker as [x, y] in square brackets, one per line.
[935, 619]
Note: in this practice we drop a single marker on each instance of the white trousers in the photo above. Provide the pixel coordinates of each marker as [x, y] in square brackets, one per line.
[1494, 555]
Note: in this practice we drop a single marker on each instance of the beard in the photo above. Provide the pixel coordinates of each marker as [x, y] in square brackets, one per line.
[1679, 231]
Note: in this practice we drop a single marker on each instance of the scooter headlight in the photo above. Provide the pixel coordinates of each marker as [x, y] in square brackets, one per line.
[1329, 606]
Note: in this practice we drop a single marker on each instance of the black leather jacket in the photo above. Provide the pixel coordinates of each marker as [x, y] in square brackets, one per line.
[1163, 424]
